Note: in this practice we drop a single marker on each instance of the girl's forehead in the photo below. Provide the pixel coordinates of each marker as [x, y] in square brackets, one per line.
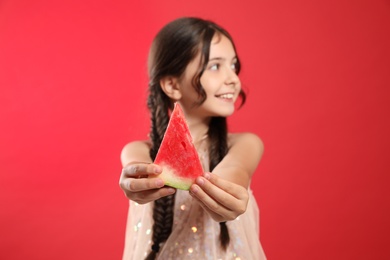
[221, 46]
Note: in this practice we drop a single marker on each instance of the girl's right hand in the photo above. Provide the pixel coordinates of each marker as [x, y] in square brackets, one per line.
[138, 187]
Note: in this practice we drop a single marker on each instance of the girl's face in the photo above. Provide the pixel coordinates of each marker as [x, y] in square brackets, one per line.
[219, 81]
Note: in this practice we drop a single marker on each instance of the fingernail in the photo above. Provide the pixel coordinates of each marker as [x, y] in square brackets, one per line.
[194, 189]
[159, 183]
[171, 191]
[157, 170]
[207, 175]
[200, 181]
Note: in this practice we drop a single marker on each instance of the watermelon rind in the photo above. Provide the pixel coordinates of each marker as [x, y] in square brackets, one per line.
[171, 179]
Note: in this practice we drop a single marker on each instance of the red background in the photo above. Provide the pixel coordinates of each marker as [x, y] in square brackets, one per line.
[72, 93]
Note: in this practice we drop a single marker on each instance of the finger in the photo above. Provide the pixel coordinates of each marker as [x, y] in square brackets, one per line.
[213, 215]
[138, 169]
[151, 195]
[210, 203]
[235, 190]
[137, 185]
[217, 194]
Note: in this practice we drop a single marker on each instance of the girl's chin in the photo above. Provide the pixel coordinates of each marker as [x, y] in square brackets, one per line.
[224, 112]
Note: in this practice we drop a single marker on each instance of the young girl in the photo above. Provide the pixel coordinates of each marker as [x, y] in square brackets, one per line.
[193, 62]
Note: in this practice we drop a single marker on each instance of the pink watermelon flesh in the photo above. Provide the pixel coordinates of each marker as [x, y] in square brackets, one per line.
[177, 154]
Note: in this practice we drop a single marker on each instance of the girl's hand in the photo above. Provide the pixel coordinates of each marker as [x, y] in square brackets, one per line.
[138, 187]
[222, 199]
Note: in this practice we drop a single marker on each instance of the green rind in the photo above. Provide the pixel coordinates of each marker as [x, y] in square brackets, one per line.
[178, 185]
[172, 180]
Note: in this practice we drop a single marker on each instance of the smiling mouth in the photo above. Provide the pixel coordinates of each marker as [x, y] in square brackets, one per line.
[225, 96]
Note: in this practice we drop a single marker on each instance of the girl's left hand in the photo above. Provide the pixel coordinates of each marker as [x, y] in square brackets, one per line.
[222, 199]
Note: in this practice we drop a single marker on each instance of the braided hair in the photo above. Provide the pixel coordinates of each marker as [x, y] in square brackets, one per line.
[173, 48]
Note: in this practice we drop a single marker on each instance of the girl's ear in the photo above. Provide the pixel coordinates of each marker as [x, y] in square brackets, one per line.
[171, 87]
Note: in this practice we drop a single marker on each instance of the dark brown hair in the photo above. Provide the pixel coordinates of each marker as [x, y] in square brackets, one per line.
[173, 48]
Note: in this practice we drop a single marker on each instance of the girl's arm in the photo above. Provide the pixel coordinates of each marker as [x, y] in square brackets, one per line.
[244, 156]
[224, 192]
[137, 166]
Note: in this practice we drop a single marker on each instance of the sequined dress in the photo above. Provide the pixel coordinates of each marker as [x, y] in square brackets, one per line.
[195, 235]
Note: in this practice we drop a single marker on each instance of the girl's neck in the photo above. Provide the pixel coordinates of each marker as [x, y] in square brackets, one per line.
[198, 124]
[198, 128]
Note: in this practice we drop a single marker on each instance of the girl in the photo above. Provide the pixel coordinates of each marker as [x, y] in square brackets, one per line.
[193, 62]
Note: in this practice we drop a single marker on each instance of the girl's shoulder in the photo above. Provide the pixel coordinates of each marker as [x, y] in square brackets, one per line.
[244, 139]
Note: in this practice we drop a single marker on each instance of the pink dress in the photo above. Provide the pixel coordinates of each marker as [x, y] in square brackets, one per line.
[195, 234]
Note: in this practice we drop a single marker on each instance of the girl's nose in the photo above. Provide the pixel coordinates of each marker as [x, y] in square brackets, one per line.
[231, 77]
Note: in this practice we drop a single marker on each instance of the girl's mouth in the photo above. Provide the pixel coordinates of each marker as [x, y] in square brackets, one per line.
[225, 96]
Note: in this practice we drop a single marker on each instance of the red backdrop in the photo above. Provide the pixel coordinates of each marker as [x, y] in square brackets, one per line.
[72, 93]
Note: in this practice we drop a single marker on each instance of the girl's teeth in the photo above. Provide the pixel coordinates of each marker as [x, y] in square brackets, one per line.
[227, 96]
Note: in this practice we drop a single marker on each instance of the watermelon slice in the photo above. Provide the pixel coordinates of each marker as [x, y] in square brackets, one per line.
[177, 154]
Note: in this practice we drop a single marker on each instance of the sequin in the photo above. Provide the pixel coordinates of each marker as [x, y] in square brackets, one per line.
[148, 231]
[183, 207]
[194, 229]
[190, 250]
[138, 226]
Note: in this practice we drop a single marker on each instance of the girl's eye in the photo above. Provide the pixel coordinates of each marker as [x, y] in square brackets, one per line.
[234, 66]
[214, 67]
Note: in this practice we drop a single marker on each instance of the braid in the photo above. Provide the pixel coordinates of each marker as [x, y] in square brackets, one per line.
[158, 104]
[218, 148]
[163, 221]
